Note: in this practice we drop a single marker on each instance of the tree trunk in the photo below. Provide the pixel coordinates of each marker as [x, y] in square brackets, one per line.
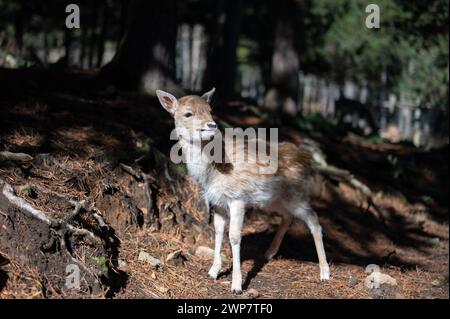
[213, 50]
[93, 40]
[83, 53]
[103, 34]
[222, 62]
[122, 21]
[19, 25]
[186, 56]
[284, 89]
[68, 46]
[198, 58]
[146, 57]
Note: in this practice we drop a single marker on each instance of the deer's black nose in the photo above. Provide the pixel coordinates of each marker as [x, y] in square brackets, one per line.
[212, 125]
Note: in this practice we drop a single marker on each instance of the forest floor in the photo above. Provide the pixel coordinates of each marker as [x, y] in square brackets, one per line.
[79, 141]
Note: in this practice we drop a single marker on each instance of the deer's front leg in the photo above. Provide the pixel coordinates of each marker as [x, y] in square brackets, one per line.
[219, 227]
[237, 211]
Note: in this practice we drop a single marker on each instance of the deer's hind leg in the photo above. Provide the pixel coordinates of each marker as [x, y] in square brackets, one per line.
[304, 212]
[279, 235]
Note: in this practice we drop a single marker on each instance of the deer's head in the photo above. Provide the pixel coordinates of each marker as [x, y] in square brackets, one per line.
[192, 115]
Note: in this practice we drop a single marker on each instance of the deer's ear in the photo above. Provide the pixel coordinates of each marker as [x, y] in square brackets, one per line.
[208, 95]
[168, 101]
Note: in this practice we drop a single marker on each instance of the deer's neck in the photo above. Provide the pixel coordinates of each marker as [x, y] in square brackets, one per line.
[199, 165]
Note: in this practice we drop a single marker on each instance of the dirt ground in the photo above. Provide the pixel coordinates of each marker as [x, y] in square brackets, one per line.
[79, 142]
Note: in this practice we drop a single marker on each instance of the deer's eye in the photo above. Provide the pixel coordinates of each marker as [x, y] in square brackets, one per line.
[188, 114]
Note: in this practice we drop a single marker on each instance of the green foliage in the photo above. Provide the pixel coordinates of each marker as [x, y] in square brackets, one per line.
[180, 168]
[426, 79]
[377, 139]
[410, 47]
[315, 123]
[102, 262]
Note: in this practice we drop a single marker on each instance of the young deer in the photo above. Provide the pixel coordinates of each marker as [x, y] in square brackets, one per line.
[238, 185]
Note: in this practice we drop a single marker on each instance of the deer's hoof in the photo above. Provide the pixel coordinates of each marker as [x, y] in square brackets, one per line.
[214, 272]
[212, 276]
[237, 290]
[325, 273]
[236, 286]
[270, 254]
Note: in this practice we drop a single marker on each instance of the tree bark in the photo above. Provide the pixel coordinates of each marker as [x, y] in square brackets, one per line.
[145, 60]
[284, 89]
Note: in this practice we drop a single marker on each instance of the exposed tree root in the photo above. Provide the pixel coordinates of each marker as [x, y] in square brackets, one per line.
[150, 189]
[56, 242]
[20, 203]
[132, 172]
[339, 174]
[343, 175]
[15, 157]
